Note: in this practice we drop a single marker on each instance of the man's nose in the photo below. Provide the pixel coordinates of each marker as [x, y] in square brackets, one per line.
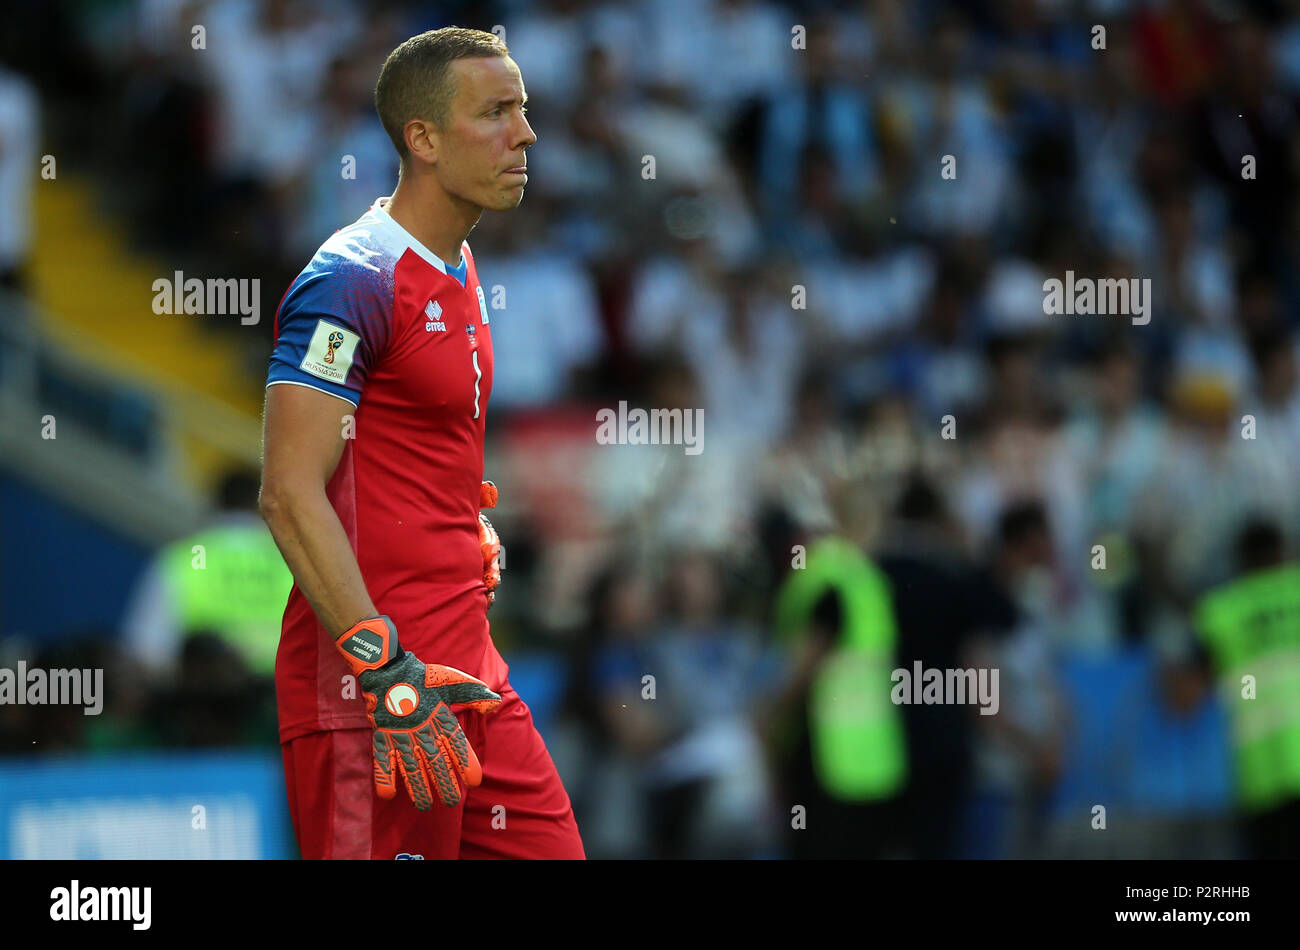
[527, 136]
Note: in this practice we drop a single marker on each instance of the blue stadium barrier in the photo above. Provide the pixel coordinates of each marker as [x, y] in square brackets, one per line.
[48, 553]
[197, 806]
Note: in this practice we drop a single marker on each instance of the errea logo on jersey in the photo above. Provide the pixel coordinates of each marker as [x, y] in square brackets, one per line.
[433, 310]
[329, 355]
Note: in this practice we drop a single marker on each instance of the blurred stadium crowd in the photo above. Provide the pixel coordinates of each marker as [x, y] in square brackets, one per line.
[779, 174]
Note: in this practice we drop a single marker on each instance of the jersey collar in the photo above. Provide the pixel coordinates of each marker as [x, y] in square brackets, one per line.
[380, 211]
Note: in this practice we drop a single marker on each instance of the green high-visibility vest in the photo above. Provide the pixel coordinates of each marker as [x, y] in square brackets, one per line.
[232, 581]
[1251, 627]
[859, 747]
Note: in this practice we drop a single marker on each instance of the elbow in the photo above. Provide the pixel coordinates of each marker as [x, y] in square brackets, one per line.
[285, 504]
[271, 505]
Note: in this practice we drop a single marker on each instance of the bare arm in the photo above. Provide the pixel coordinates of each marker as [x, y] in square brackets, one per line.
[302, 442]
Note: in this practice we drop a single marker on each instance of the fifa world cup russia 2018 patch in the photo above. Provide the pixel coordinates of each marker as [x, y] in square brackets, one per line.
[329, 354]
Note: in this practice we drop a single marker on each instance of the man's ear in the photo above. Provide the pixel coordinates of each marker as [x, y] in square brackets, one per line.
[422, 140]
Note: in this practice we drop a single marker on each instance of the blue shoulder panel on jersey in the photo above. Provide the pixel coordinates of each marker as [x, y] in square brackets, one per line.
[336, 320]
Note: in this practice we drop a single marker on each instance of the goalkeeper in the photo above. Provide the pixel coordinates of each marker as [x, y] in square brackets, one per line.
[401, 734]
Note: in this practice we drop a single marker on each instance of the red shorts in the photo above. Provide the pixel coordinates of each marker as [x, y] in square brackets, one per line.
[521, 809]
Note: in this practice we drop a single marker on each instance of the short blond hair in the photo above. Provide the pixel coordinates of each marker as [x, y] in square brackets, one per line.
[416, 81]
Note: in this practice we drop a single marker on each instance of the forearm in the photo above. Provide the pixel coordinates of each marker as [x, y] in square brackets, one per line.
[311, 538]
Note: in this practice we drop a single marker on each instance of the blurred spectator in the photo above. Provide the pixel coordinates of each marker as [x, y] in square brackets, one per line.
[609, 658]
[279, 46]
[364, 166]
[708, 793]
[1018, 754]
[544, 310]
[1114, 439]
[944, 109]
[669, 694]
[227, 580]
[947, 610]
[940, 607]
[822, 127]
[1248, 631]
[1213, 475]
[216, 699]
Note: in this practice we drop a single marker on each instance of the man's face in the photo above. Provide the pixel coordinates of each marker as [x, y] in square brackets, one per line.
[481, 154]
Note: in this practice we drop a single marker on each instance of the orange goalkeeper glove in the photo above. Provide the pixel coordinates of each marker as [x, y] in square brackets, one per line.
[409, 705]
[488, 542]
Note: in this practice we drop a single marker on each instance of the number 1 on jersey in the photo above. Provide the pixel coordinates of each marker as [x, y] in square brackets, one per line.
[478, 374]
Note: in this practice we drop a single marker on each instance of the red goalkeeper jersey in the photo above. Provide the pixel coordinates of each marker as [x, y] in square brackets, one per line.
[401, 339]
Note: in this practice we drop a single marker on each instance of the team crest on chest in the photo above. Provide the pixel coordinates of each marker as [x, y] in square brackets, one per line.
[473, 336]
